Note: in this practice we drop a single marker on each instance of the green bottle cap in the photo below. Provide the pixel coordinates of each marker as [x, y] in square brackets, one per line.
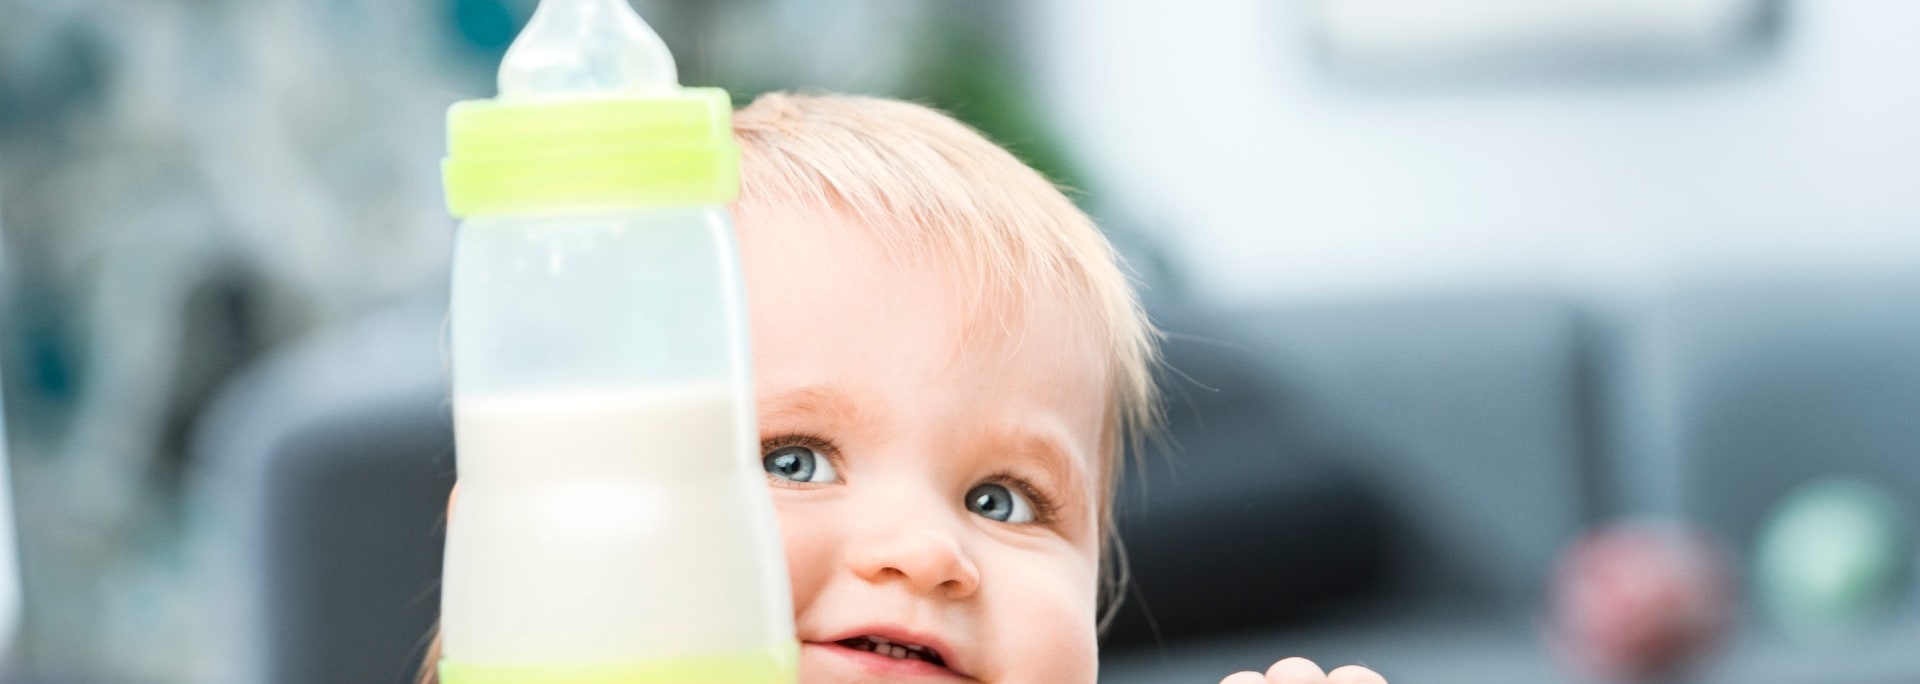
[518, 157]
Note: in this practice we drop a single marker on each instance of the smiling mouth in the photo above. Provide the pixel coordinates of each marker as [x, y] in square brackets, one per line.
[893, 649]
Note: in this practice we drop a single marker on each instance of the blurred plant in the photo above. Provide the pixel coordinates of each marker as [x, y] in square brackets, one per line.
[186, 184]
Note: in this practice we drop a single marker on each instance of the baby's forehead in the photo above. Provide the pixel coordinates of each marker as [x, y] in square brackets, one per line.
[996, 298]
[994, 288]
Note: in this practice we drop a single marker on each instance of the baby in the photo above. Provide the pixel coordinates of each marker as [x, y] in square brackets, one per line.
[948, 362]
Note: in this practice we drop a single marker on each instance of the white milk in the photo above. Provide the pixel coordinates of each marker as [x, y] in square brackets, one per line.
[607, 527]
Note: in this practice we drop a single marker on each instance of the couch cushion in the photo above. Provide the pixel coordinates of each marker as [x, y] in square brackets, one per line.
[1466, 414]
[1321, 453]
[1766, 386]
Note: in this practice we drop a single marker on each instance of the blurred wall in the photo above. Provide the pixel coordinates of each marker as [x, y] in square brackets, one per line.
[1274, 176]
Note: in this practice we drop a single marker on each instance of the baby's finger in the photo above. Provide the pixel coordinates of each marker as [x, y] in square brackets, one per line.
[1244, 678]
[1295, 671]
[1355, 674]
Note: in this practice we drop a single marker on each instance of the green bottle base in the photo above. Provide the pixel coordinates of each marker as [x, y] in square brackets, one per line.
[777, 665]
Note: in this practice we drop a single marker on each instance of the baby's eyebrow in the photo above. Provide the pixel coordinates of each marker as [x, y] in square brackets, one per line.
[1053, 458]
[818, 402]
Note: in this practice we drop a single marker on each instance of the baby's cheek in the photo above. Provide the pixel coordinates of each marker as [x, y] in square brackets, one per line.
[807, 550]
[1045, 620]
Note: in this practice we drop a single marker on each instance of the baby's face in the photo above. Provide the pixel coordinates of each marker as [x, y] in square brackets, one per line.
[938, 501]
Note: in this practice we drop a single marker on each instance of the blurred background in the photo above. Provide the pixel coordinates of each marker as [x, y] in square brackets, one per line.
[1513, 341]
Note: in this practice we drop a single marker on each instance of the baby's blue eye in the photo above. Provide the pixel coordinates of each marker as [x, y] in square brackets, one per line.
[799, 464]
[997, 502]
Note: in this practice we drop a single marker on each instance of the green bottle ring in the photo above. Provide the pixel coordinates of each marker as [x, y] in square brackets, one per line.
[773, 665]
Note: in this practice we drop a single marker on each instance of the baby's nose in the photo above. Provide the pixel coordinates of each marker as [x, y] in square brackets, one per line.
[931, 561]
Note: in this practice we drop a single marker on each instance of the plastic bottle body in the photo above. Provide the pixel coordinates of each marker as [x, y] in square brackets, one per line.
[612, 515]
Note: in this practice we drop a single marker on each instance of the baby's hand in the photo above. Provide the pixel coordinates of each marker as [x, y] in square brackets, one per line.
[1303, 671]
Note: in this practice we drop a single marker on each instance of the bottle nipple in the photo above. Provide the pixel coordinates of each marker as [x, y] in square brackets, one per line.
[584, 49]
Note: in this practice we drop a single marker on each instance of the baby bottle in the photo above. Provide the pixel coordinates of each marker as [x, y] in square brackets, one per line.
[613, 524]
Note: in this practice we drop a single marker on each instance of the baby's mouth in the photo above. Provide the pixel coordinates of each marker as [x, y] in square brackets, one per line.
[893, 649]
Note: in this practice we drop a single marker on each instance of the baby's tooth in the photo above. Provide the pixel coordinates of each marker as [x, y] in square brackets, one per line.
[879, 640]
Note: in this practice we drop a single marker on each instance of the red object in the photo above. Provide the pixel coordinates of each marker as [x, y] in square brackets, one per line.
[1639, 602]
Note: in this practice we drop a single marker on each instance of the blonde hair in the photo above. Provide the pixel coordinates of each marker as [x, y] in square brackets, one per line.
[934, 190]
[931, 188]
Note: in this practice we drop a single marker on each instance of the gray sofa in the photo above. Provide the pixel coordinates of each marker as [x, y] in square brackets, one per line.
[1385, 482]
